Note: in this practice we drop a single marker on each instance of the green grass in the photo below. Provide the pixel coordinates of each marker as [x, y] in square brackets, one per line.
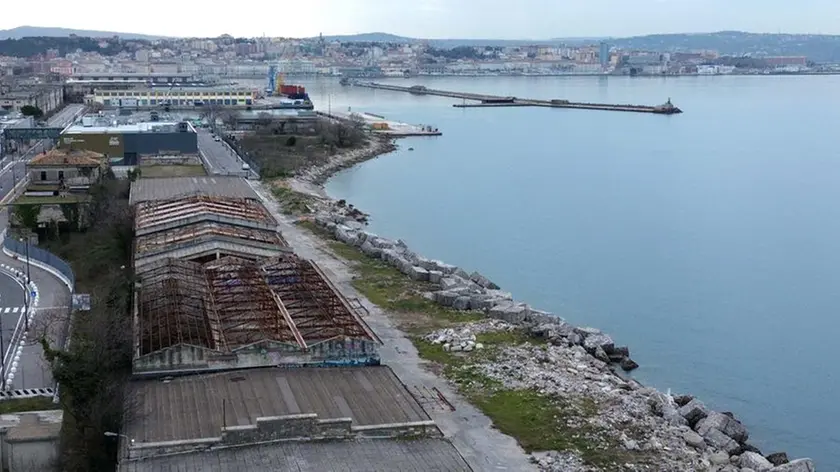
[51, 199]
[292, 202]
[17, 405]
[538, 422]
[156, 171]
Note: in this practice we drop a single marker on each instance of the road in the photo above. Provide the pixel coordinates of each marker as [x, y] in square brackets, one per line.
[218, 157]
[14, 166]
[12, 307]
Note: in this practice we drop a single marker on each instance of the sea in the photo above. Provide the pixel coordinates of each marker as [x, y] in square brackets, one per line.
[708, 242]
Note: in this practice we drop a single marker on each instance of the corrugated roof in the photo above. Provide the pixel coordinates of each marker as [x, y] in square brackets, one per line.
[144, 190]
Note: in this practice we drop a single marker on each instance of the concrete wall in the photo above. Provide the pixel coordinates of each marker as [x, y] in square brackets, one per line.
[26, 456]
[305, 426]
[264, 354]
[72, 175]
[29, 441]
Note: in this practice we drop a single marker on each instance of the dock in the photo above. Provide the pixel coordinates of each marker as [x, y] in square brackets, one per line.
[495, 101]
[380, 125]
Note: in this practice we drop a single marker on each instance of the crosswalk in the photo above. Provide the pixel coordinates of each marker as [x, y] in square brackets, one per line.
[14, 309]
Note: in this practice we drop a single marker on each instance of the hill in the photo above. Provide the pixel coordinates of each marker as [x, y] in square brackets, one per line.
[817, 47]
[38, 31]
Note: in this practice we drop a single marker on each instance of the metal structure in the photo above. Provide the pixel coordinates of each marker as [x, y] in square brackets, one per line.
[232, 303]
[26, 134]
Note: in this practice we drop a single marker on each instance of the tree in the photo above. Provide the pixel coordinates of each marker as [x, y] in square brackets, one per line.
[31, 110]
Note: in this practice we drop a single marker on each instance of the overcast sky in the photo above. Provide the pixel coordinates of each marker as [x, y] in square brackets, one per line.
[503, 19]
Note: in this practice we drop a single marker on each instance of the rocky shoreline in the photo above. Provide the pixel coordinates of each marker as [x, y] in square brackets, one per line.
[574, 361]
[675, 432]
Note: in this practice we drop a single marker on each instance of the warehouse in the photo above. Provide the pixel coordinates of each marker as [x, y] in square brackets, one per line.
[186, 96]
[125, 143]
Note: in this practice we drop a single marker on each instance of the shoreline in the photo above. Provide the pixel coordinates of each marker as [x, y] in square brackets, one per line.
[579, 362]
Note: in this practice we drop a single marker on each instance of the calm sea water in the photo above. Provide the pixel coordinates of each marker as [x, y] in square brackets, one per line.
[708, 242]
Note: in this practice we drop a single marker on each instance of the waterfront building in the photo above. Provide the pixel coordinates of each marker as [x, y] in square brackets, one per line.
[604, 55]
[174, 97]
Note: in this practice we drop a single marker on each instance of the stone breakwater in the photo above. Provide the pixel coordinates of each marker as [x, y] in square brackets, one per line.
[376, 146]
[678, 431]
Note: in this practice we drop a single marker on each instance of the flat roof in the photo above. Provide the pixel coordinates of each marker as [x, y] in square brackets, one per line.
[143, 190]
[143, 127]
[357, 456]
[190, 407]
[214, 88]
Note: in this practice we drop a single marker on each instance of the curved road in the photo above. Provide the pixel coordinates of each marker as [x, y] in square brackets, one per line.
[12, 307]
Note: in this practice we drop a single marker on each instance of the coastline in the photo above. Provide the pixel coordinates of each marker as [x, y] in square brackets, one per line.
[675, 432]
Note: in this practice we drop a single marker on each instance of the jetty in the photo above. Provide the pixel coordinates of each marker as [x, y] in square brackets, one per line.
[494, 101]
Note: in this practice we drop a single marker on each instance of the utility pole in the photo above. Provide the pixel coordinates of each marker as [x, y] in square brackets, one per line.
[2, 357]
[26, 300]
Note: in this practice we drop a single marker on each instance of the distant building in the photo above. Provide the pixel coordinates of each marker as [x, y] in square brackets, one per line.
[46, 98]
[174, 97]
[785, 61]
[604, 55]
[127, 143]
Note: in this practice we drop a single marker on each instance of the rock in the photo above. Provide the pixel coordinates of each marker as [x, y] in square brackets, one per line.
[628, 364]
[777, 458]
[446, 298]
[718, 440]
[726, 425]
[587, 331]
[746, 469]
[729, 468]
[594, 341]
[681, 400]
[747, 447]
[418, 273]
[510, 312]
[601, 355]
[694, 440]
[694, 411]
[483, 281]
[461, 303]
[756, 462]
[798, 465]
[719, 458]
[622, 351]
[435, 276]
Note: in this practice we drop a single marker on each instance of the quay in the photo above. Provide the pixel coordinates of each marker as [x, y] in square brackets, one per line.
[380, 125]
[492, 101]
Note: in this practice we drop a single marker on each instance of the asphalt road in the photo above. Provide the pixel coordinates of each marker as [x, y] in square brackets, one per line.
[11, 308]
[218, 156]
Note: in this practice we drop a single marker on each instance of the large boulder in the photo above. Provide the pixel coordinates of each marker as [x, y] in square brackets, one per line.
[694, 440]
[723, 423]
[778, 458]
[754, 461]
[694, 411]
[720, 441]
[594, 341]
[799, 465]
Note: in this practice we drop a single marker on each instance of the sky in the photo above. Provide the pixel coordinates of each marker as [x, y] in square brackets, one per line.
[480, 19]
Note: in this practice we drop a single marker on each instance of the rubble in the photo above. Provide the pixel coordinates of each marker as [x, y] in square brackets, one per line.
[572, 363]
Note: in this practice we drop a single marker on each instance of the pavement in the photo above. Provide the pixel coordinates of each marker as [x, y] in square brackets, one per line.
[12, 307]
[217, 156]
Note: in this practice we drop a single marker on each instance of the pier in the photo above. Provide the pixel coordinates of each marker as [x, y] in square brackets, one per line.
[494, 101]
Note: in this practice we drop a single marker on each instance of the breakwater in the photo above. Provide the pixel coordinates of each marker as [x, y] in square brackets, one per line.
[489, 101]
[679, 430]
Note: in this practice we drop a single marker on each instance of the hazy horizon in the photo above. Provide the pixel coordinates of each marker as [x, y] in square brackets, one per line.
[438, 19]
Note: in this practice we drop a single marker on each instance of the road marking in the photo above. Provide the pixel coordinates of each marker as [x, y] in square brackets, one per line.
[7, 310]
[15, 310]
[12, 309]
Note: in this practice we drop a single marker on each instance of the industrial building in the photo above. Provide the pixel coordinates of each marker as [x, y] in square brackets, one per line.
[218, 287]
[175, 97]
[126, 142]
[247, 357]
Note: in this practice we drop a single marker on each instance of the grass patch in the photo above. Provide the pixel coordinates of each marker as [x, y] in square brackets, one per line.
[18, 405]
[157, 171]
[292, 202]
[390, 289]
[51, 199]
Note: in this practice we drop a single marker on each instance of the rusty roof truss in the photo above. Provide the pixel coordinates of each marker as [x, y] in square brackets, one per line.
[233, 302]
[153, 213]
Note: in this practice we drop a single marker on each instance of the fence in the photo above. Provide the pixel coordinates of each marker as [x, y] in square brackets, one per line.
[244, 155]
[37, 254]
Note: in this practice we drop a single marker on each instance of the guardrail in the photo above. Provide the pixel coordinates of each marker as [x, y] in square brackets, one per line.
[247, 158]
[23, 250]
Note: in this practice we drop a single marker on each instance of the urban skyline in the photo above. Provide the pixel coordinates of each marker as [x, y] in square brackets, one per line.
[468, 19]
